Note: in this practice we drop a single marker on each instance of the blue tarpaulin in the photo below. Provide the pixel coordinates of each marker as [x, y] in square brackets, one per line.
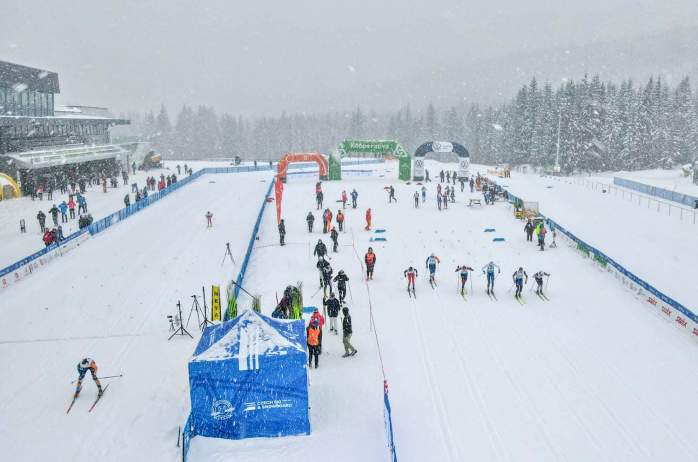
[248, 379]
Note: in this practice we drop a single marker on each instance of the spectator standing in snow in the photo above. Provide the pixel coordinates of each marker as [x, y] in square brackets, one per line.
[349, 349]
[314, 338]
[310, 219]
[282, 232]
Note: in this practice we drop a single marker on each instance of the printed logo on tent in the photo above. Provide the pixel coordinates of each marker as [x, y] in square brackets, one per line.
[271, 404]
[248, 359]
[222, 409]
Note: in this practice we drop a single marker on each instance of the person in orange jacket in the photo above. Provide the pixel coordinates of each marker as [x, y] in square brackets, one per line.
[340, 220]
[368, 219]
[370, 260]
[313, 335]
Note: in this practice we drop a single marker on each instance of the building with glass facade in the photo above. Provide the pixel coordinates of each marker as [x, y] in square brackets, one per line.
[25, 91]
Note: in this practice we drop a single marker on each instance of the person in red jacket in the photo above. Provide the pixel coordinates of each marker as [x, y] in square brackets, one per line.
[48, 238]
[344, 199]
[370, 260]
[316, 316]
[340, 220]
[326, 221]
[368, 219]
[71, 206]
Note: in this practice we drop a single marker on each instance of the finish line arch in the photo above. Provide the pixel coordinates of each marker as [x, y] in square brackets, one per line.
[17, 192]
[291, 157]
[376, 147]
[441, 147]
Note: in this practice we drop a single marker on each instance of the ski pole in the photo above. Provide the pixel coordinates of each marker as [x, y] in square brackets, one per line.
[546, 283]
[105, 377]
[350, 295]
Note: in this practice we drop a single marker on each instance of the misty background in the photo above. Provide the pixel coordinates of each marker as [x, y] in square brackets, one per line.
[264, 58]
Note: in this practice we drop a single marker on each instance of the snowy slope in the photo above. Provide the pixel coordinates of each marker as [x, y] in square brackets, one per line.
[109, 299]
[660, 250]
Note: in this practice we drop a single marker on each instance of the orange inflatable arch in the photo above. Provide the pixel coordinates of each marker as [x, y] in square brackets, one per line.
[290, 157]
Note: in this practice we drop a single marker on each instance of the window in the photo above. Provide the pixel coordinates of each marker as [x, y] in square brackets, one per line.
[3, 101]
[49, 106]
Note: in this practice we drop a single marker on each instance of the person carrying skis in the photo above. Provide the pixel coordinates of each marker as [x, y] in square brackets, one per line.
[87, 364]
[411, 275]
[368, 219]
[310, 219]
[334, 235]
[349, 349]
[41, 217]
[320, 249]
[538, 277]
[332, 305]
[314, 335]
[424, 194]
[431, 262]
[541, 232]
[209, 219]
[529, 230]
[354, 196]
[463, 270]
[341, 279]
[370, 260]
[518, 278]
[344, 199]
[340, 220]
[282, 232]
[488, 270]
[416, 199]
[326, 221]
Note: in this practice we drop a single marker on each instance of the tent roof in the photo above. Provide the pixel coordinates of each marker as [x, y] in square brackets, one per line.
[261, 334]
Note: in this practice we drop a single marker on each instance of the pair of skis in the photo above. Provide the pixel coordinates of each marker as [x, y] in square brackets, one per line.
[520, 299]
[492, 296]
[99, 397]
[411, 293]
[543, 296]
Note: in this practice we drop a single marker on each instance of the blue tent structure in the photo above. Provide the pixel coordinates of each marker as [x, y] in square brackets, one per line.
[248, 378]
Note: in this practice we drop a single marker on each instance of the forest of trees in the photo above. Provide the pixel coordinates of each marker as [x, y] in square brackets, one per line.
[602, 126]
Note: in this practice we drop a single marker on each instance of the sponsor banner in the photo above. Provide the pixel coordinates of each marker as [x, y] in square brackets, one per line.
[463, 167]
[215, 303]
[419, 168]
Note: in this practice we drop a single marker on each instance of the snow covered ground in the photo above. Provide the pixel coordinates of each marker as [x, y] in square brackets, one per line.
[659, 249]
[109, 299]
[673, 180]
[17, 245]
[592, 374]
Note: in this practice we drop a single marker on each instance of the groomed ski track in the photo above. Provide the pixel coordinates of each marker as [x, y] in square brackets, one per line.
[590, 375]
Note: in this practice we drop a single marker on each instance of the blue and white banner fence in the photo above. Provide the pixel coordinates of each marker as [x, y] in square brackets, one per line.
[683, 199]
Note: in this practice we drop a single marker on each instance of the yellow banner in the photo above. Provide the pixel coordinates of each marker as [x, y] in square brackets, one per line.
[215, 303]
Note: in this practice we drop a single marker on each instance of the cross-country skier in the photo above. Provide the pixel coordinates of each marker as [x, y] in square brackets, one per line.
[282, 232]
[463, 270]
[354, 196]
[341, 279]
[424, 194]
[209, 219]
[349, 349]
[87, 364]
[431, 262]
[370, 260]
[411, 275]
[326, 273]
[529, 230]
[332, 305]
[518, 278]
[310, 219]
[416, 199]
[488, 270]
[340, 220]
[334, 235]
[320, 249]
[538, 277]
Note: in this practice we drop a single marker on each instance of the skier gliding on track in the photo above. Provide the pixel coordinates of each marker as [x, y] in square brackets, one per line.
[431, 262]
[87, 364]
[463, 269]
[488, 270]
[411, 274]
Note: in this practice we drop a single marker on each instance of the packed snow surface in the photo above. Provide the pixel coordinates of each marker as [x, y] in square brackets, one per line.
[593, 374]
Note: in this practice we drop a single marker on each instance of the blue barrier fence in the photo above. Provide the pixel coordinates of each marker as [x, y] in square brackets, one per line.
[389, 425]
[618, 267]
[250, 245]
[187, 435]
[683, 199]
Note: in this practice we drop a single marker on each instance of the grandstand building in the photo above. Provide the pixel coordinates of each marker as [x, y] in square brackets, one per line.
[38, 138]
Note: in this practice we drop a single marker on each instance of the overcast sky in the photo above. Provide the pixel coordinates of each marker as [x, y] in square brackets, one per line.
[264, 57]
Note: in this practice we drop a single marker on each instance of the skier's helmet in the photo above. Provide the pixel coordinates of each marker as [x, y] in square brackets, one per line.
[520, 268]
[85, 363]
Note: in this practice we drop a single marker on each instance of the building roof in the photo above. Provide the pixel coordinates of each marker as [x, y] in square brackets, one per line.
[32, 160]
[13, 75]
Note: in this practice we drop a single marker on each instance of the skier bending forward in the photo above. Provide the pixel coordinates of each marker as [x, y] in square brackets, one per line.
[431, 262]
[488, 270]
[87, 364]
[411, 274]
[463, 270]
